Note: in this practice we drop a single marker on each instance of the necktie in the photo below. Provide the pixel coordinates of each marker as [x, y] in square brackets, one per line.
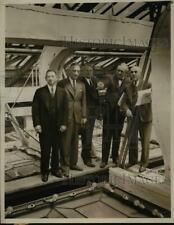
[135, 83]
[74, 85]
[52, 92]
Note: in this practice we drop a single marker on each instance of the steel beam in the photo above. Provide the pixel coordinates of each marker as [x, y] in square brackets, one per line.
[111, 54]
[58, 27]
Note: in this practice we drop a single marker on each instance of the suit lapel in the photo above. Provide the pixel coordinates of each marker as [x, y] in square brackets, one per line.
[116, 82]
[70, 88]
[46, 96]
[77, 89]
[87, 85]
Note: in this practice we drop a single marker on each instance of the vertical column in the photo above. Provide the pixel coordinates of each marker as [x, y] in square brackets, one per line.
[161, 86]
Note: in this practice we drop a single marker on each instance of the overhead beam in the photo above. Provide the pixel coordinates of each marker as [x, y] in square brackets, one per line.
[108, 8]
[28, 65]
[138, 11]
[20, 62]
[74, 6]
[23, 51]
[14, 60]
[116, 54]
[123, 9]
[57, 6]
[57, 27]
[86, 7]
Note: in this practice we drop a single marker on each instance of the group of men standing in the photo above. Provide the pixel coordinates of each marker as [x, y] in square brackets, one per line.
[63, 110]
[120, 102]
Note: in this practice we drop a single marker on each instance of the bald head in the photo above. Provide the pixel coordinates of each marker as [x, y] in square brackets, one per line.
[122, 71]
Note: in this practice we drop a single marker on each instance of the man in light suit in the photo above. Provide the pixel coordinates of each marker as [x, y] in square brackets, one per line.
[49, 122]
[143, 125]
[92, 101]
[76, 99]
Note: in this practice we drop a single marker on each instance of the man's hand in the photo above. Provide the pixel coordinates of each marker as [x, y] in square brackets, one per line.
[63, 128]
[83, 121]
[38, 129]
[129, 113]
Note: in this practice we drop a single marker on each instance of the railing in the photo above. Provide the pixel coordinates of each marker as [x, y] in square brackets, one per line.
[35, 76]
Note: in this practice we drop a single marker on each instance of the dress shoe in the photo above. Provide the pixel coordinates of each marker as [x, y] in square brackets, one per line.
[128, 165]
[44, 177]
[90, 164]
[78, 168]
[65, 171]
[103, 165]
[57, 173]
[97, 159]
[115, 164]
[142, 169]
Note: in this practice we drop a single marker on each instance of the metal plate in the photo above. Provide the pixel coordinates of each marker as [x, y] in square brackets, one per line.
[100, 210]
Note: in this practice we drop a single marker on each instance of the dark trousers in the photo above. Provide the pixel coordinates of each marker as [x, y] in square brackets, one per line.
[144, 129]
[113, 122]
[70, 144]
[86, 137]
[50, 149]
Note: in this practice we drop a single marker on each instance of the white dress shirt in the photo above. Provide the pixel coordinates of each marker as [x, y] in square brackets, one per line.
[50, 89]
[88, 80]
[120, 82]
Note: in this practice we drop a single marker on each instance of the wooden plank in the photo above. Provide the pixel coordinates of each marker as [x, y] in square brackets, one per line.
[26, 96]
[69, 213]
[104, 29]
[100, 210]
[118, 205]
[157, 193]
[35, 181]
[21, 111]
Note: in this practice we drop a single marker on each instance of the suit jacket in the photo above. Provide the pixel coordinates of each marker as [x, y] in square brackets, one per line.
[130, 99]
[76, 99]
[116, 92]
[130, 96]
[92, 98]
[145, 111]
[41, 106]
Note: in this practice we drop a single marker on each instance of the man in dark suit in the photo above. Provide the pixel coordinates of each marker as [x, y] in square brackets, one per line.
[113, 118]
[76, 99]
[92, 101]
[143, 124]
[48, 104]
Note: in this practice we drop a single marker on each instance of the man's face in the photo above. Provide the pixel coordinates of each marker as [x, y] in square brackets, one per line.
[51, 78]
[88, 72]
[120, 72]
[74, 72]
[135, 73]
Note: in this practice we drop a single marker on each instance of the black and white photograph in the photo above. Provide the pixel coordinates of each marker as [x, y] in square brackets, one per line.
[87, 108]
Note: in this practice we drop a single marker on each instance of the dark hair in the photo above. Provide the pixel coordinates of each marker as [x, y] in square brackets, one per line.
[86, 66]
[72, 65]
[50, 70]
